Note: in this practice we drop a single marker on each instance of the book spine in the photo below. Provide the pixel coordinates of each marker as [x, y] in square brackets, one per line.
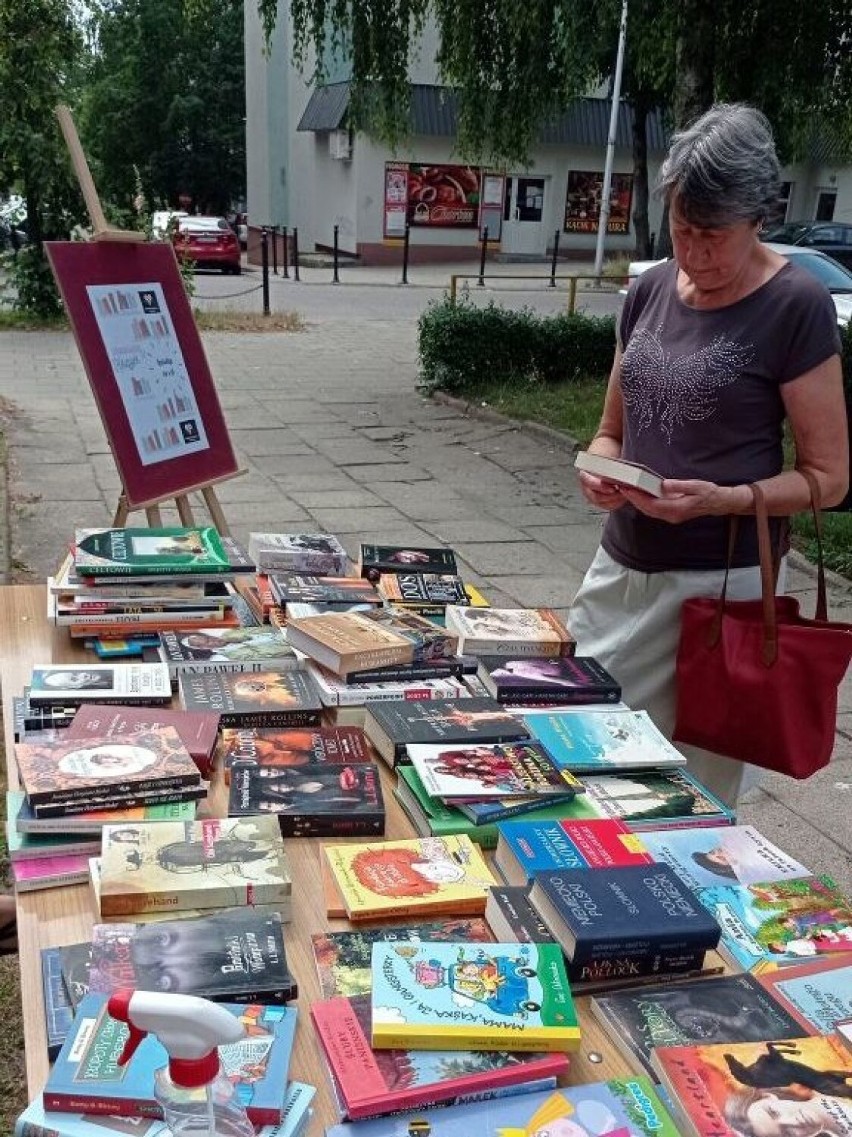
[74, 701]
[132, 904]
[580, 698]
[248, 719]
[52, 880]
[429, 1096]
[501, 812]
[115, 789]
[148, 616]
[63, 809]
[412, 672]
[473, 906]
[102, 1105]
[368, 825]
[629, 965]
[439, 1038]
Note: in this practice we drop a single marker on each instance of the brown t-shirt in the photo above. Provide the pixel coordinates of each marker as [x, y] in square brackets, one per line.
[702, 399]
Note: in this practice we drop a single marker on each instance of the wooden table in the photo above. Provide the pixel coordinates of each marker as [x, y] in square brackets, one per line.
[57, 916]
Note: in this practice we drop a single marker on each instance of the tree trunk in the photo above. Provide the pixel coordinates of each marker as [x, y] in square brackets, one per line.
[641, 225]
[695, 60]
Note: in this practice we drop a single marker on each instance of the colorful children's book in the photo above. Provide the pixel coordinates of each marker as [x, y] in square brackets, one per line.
[799, 1087]
[273, 748]
[58, 1009]
[198, 730]
[422, 876]
[573, 680]
[86, 1076]
[432, 817]
[343, 959]
[586, 741]
[509, 631]
[129, 552]
[373, 560]
[455, 996]
[818, 994]
[319, 553]
[729, 1008]
[526, 846]
[200, 864]
[226, 649]
[272, 697]
[385, 1081]
[498, 770]
[395, 725]
[68, 684]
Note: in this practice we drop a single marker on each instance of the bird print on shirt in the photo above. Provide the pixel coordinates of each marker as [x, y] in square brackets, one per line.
[670, 390]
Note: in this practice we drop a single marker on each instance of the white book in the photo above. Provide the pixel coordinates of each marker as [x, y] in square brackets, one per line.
[335, 692]
[620, 471]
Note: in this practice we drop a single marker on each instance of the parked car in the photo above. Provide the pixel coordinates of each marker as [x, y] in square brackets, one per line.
[209, 242]
[161, 219]
[831, 237]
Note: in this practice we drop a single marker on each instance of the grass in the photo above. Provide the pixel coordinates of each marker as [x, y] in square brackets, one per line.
[13, 1076]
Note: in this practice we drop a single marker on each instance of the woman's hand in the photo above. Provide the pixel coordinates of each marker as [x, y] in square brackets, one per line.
[600, 493]
[683, 500]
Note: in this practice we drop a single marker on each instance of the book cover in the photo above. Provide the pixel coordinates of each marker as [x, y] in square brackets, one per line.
[392, 726]
[418, 876]
[430, 642]
[271, 697]
[653, 799]
[58, 1009]
[432, 817]
[198, 730]
[349, 641]
[86, 1077]
[339, 691]
[119, 799]
[509, 631]
[290, 588]
[200, 864]
[620, 1107]
[67, 684]
[108, 552]
[529, 845]
[344, 959]
[489, 811]
[799, 1087]
[226, 649]
[417, 588]
[512, 918]
[455, 996]
[236, 956]
[729, 1008]
[50, 872]
[72, 769]
[29, 846]
[449, 667]
[373, 560]
[602, 741]
[76, 960]
[311, 801]
[319, 553]
[374, 1082]
[297, 746]
[818, 994]
[729, 854]
[573, 680]
[93, 821]
[498, 770]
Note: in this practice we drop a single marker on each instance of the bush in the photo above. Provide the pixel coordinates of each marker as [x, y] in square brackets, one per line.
[33, 288]
[463, 346]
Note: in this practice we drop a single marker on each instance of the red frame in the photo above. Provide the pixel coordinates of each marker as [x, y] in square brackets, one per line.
[78, 264]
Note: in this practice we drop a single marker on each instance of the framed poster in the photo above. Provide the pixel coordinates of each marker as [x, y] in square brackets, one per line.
[439, 196]
[146, 365]
[583, 202]
[396, 198]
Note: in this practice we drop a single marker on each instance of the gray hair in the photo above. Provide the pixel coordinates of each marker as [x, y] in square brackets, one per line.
[723, 168]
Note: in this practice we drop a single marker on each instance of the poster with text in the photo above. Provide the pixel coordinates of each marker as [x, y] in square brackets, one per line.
[583, 202]
[436, 197]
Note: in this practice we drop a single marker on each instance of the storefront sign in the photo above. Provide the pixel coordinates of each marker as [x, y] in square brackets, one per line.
[583, 202]
[434, 197]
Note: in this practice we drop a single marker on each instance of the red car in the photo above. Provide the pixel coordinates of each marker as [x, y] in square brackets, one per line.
[209, 242]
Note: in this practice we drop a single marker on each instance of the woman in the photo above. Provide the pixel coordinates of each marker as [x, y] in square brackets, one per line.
[782, 1113]
[715, 349]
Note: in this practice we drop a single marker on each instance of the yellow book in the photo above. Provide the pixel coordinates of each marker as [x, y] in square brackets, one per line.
[419, 876]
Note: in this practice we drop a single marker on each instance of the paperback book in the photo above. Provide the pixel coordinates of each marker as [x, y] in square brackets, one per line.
[432, 817]
[138, 552]
[499, 770]
[335, 691]
[620, 472]
[530, 845]
[292, 588]
[320, 554]
[67, 684]
[394, 725]
[572, 680]
[228, 649]
[198, 730]
[273, 748]
[374, 560]
[455, 996]
[108, 799]
[818, 994]
[58, 1009]
[602, 741]
[420, 589]
[76, 960]
[430, 642]
[653, 799]
[94, 820]
[31, 847]
[349, 641]
[272, 697]
[382, 1081]
[509, 631]
[50, 872]
[512, 918]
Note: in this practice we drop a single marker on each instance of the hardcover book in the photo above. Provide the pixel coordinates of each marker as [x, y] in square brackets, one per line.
[58, 1009]
[336, 691]
[509, 631]
[344, 959]
[621, 1107]
[420, 876]
[818, 994]
[349, 641]
[419, 588]
[115, 552]
[296, 746]
[311, 801]
[67, 684]
[394, 725]
[512, 918]
[198, 730]
[385, 1081]
[86, 1076]
[530, 845]
[317, 553]
[454, 996]
[499, 770]
[228, 649]
[729, 1008]
[602, 741]
[374, 560]
[290, 588]
[271, 697]
[236, 956]
[573, 680]
[200, 864]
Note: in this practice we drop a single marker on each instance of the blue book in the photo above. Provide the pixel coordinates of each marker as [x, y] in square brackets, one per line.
[602, 741]
[620, 1107]
[58, 1008]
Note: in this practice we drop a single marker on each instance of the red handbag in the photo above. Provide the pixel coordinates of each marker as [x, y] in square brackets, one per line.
[756, 680]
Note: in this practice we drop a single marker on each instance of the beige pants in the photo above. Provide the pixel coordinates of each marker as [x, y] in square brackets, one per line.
[630, 622]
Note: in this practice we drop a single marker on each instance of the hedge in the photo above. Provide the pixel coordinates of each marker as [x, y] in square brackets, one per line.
[463, 346]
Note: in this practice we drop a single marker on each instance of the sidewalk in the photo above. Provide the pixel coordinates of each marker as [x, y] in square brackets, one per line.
[335, 436]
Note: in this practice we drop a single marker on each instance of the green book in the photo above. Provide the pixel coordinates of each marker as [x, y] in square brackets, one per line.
[121, 552]
[431, 817]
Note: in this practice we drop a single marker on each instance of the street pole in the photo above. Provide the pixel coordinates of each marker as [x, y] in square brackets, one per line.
[603, 220]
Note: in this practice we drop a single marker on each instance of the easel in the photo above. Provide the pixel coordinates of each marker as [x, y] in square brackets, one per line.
[102, 231]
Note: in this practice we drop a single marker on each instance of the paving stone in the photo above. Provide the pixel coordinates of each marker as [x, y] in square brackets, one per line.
[510, 558]
[556, 591]
[364, 521]
[473, 530]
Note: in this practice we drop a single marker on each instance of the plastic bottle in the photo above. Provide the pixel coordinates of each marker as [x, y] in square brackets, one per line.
[196, 1097]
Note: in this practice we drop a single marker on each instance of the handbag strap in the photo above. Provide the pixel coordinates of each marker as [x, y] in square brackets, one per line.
[816, 507]
[769, 651]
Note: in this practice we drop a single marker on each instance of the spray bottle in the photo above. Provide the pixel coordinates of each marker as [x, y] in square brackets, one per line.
[196, 1097]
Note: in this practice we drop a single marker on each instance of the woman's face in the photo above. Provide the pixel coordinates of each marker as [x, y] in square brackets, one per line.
[713, 259]
[777, 1117]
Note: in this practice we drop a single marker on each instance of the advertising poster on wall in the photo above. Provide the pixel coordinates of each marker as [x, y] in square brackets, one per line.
[436, 197]
[396, 198]
[583, 202]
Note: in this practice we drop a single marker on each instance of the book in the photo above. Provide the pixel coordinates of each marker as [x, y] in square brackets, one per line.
[349, 641]
[337, 691]
[374, 560]
[50, 872]
[86, 1076]
[292, 588]
[271, 697]
[109, 799]
[199, 864]
[430, 642]
[318, 800]
[58, 1009]
[818, 994]
[652, 799]
[394, 725]
[512, 918]
[74, 770]
[530, 845]
[730, 854]
[271, 747]
[320, 554]
[434, 818]
[639, 919]
[729, 1008]
[198, 730]
[388, 1080]
[67, 684]
[572, 679]
[497, 770]
[30, 847]
[93, 821]
[228, 649]
[139, 552]
[421, 589]
[799, 1086]
[620, 1107]
[26, 718]
[620, 471]
[446, 667]
[454, 996]
[75, 961]
[236, 955]
[420, 876]
[343, 959]
[602, 741]
[509, 631]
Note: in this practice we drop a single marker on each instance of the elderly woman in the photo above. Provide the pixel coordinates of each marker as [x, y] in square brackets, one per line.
[715, 349]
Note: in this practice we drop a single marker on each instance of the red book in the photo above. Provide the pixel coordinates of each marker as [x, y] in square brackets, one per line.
[198, 730]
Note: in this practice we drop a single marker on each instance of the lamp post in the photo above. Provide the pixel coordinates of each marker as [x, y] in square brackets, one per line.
[603, 219]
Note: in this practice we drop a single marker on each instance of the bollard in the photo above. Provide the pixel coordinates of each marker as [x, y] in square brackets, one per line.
[481, 281]
[274, 230]
[336, 278]
[405, 244]
[296, 254]
[284, 271]
[553, 261]
[572, 295]
[264, 260]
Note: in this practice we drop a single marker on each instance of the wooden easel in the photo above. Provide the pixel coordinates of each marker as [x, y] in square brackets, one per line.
[102, 231]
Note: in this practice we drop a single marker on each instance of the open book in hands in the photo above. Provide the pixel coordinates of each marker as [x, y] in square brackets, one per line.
[621, 472]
